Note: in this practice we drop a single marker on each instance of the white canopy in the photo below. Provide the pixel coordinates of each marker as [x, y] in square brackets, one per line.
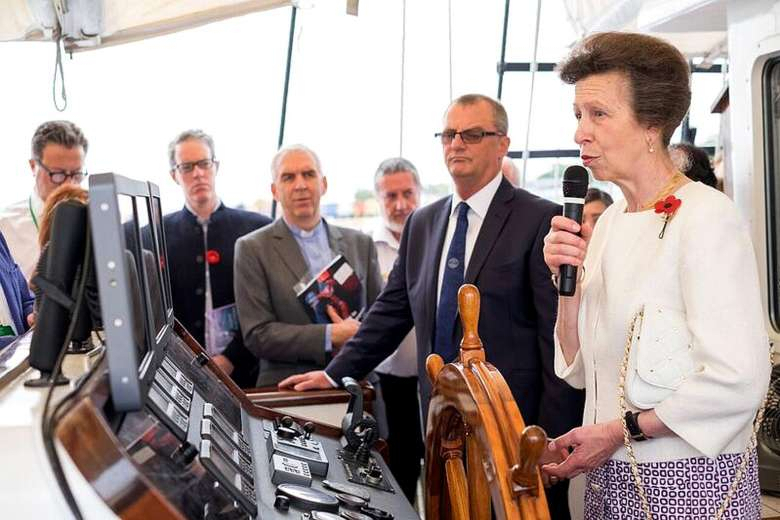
[93, 23]
[696, 27]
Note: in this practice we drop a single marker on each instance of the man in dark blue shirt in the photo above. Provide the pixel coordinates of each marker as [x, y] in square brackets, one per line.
[200, 239]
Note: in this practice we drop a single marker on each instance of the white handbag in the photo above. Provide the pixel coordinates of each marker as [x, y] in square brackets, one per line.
[660, 356]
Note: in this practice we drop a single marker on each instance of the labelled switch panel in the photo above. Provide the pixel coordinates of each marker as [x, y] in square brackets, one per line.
[289, 470]
[288, 439]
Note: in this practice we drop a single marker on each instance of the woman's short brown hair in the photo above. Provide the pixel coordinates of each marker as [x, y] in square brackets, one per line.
[657, 72]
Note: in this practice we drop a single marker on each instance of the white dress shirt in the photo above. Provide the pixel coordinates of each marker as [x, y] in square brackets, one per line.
[402, 362]
[478, 207]
[19, 224]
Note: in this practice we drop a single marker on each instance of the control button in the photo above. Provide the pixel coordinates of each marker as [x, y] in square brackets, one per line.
[374, 475]
[354, 515]
[282, 503]
[322, 515]
[346, 488]
[287, 429]
[308, 499]
[352, 501]
[375, 513]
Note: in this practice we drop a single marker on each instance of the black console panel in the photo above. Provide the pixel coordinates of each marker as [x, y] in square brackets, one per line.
[214, 460]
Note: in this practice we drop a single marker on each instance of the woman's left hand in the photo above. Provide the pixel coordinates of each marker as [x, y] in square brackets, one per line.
[592, 446]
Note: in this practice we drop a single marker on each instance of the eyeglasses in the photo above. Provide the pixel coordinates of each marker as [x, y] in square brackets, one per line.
[469, 135]
[203, 164]
[60, 176]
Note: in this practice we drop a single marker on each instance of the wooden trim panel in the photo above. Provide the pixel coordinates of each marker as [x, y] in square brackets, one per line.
[95, 451]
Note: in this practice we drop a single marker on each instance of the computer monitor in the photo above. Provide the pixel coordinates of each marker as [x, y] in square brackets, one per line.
[60, 271]
[131, 265]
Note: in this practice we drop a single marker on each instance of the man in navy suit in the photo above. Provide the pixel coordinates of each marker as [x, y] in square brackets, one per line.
[201, 238]
[501, 249]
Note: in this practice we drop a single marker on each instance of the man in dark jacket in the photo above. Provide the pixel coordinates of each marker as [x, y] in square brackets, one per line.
[488, 234]
[200, 239]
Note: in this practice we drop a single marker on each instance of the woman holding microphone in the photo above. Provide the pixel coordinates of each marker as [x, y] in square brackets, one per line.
[665, 330]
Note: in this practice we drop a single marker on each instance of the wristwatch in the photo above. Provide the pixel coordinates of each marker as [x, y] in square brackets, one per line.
[634, 431]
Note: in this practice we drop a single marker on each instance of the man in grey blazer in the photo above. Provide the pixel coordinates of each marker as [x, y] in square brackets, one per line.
[271, 262]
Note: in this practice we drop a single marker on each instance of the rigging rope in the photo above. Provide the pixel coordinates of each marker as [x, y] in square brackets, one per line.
[449, 37]
[403, 67]
[531, 95]
[58, 70]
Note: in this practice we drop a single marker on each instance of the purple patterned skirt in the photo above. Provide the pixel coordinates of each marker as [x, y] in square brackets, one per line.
[687, 488]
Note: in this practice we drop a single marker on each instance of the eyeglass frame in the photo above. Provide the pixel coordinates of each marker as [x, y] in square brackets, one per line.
[194, 164]
[482, 134]
[78, 176]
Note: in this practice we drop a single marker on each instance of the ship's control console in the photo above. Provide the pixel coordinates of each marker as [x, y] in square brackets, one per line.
[214, 459]
[198, 447]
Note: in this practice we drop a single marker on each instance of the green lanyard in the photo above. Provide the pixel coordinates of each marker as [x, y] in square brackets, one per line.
[32, 214]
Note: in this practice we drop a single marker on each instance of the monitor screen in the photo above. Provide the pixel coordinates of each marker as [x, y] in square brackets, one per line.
[132, 279]
[161, 262]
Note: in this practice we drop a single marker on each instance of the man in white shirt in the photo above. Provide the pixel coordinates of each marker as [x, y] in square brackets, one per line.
[58, 152]
[397, 188]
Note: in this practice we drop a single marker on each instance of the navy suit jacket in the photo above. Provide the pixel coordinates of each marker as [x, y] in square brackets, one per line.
[186, 256]
[517, 313]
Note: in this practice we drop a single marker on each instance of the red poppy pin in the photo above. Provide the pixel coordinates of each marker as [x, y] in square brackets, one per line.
[212, 257]
[668, 207]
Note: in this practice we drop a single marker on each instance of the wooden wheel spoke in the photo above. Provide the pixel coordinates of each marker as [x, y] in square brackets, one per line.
[481, 460]
[458, 488]
[479, 491]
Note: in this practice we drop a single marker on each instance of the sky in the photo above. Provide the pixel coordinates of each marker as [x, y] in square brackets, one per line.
[344, 102]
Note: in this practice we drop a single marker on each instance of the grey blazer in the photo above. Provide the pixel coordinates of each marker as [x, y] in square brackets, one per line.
[276, 328]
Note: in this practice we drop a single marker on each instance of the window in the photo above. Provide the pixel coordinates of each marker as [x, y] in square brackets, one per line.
[772, 172]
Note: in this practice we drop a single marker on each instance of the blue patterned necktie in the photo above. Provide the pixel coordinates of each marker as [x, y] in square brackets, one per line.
[454, 269]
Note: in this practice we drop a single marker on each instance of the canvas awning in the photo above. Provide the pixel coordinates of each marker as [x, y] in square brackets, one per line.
[88, 24]
[696, 27]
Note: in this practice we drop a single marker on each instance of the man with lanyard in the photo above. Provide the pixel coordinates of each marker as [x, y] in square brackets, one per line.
[58, 152]
[200, 239]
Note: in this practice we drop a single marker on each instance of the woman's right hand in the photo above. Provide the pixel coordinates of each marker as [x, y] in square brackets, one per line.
[563, 246]
[589, 447]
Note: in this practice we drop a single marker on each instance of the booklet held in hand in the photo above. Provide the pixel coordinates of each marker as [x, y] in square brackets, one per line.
[336, 285]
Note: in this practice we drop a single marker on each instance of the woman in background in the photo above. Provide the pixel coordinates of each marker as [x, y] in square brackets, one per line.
[694, 163]
[596, 203]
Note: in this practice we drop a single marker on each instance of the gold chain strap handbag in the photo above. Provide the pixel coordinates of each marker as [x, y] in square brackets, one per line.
[660, 358]
[624, 369]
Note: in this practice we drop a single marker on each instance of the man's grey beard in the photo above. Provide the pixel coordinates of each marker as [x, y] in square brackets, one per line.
[393, 226]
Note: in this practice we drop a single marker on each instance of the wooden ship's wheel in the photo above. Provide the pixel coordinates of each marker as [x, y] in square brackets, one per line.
[479, 453]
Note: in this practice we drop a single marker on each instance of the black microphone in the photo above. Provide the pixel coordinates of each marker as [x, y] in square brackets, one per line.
[575, 186]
